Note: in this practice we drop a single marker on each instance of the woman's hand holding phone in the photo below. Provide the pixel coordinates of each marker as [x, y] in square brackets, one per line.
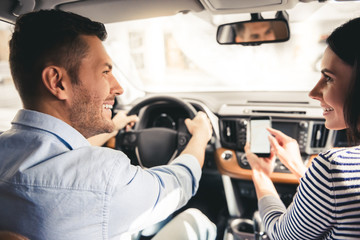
[287, 150]
[265, 165]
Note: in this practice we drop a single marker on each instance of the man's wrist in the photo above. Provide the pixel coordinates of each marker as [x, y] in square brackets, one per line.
[200, 140]
[114, 133]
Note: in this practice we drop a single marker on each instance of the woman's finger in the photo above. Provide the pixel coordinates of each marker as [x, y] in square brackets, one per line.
[274, 143]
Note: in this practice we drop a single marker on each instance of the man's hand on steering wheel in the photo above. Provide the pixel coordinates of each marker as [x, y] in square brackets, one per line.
[200, 126]
[201, 130]
[122, 120]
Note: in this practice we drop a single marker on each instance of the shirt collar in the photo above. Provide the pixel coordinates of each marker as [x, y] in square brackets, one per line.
[53, 125]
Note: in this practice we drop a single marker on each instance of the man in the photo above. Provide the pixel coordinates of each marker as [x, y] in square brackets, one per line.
[53, 183]
[254, 32]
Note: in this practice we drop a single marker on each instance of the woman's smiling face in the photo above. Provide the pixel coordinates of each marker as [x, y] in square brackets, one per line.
[332, 88]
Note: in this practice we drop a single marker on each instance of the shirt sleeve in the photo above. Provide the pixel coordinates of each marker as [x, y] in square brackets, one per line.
[310, 215]
[142, 197]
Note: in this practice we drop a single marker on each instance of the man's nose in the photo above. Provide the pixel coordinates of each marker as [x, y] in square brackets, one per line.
[116, 88]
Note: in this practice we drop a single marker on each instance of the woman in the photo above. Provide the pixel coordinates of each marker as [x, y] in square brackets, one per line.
[327, 202]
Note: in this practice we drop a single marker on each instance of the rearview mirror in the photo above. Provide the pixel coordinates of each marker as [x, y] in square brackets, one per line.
[253, 32]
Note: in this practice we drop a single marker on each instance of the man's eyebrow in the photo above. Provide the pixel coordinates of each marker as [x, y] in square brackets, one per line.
[109, 65]
[270, 28]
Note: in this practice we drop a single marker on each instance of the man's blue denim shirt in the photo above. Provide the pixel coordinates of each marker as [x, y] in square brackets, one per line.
[55, 185]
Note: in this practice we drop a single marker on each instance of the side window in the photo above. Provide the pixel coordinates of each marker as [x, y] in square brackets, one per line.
[9, 97]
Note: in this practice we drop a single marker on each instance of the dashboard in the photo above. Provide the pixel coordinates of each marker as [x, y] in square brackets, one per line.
[230, 114]
[166, 116]
[225, 153]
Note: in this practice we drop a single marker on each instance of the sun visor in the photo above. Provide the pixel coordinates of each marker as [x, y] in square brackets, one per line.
[123, 10]
[247, 6]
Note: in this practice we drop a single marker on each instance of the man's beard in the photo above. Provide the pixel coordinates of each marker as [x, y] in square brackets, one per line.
[86, 116]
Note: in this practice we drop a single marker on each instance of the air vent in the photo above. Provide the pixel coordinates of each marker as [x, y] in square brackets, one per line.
[278, 112]
[319, 136]
[277, 102]
[229, 131]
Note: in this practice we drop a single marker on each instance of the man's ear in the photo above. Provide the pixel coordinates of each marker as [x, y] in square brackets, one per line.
[56, 81]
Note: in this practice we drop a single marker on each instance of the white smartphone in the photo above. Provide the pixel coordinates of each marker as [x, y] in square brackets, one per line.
[259, 142]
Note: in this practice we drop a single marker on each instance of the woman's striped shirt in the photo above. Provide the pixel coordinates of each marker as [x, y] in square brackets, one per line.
[327, 202]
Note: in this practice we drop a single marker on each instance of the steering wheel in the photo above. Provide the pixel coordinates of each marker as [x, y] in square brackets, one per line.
[156, 146]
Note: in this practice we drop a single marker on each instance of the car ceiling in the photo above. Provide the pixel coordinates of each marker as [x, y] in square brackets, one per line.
[121, 10]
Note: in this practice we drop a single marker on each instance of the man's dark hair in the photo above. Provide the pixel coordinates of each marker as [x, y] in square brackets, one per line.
[344, 41]
[48, 37]
[239, 29]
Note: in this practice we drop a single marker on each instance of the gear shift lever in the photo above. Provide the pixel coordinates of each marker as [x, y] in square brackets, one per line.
[259, 229]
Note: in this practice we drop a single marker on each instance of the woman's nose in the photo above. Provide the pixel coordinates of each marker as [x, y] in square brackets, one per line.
[316, 93]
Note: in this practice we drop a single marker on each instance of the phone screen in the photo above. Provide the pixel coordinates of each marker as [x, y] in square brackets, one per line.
[259, 142]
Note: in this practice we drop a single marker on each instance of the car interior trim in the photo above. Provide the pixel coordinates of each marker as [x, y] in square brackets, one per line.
[230, 167]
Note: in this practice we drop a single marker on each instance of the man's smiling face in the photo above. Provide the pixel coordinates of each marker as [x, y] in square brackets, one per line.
[93, 97]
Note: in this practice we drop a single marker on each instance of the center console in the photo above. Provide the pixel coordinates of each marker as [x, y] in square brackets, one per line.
[311, 135]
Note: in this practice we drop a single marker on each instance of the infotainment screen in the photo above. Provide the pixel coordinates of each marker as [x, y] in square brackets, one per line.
[289, 128]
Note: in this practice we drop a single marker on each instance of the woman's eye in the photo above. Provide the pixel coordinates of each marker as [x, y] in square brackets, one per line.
[328, 79]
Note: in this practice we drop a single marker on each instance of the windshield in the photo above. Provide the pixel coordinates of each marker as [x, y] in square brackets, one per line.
[180, 53]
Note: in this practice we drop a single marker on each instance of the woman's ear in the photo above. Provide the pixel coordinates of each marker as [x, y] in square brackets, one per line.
[56, 82]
